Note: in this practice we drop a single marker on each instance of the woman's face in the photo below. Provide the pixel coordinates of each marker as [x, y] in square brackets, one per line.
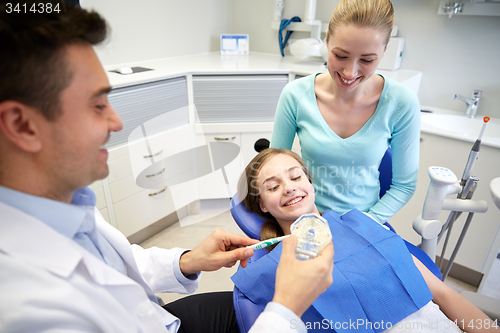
[285, 191]
[353, 55]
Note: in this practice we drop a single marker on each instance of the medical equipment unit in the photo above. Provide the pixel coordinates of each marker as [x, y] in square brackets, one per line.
[444, 182]
[314, 46]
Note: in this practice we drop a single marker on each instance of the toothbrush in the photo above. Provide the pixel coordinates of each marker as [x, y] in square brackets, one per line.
[267, 242]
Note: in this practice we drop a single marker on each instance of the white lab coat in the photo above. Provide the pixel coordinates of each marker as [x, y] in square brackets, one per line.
[49, 283]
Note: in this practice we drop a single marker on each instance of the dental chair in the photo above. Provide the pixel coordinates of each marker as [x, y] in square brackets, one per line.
[251, 224]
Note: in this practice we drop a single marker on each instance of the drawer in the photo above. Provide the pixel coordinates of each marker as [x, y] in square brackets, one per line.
[128, 186]
[100, 198]
[95, 185]
[159, 151]
[119, 169]
[117, 152]
[105, 214]
[213, 185]
[99, 194]
[142, 209]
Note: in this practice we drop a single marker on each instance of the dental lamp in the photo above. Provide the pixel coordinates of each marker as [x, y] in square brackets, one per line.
[313, 46]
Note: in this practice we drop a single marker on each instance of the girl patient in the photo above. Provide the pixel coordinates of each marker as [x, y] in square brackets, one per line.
[377, 284]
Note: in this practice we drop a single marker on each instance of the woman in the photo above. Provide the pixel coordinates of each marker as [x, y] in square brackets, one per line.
[347, 117]
[393, 287]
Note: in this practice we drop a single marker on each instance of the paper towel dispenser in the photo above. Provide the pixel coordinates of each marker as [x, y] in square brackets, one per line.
[393, 54]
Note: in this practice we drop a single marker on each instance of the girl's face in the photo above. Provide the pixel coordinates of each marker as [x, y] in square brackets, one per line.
[285, 191]
[353, 55]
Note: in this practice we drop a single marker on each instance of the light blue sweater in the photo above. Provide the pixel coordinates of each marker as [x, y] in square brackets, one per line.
[345, 171]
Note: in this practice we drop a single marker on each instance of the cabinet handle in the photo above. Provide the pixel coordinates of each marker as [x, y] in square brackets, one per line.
[156, 174]
[156, 193]
[152, 155]
[224, 139]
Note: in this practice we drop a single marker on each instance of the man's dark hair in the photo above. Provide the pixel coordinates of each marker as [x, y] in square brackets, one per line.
[33, 69]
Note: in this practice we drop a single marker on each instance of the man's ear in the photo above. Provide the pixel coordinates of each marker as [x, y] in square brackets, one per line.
[18, 124]
[262, 207]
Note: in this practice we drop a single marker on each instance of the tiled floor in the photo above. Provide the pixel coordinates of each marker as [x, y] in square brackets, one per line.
[189, 235]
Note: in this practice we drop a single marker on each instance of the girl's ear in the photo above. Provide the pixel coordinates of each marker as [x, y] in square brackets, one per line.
[262, 207]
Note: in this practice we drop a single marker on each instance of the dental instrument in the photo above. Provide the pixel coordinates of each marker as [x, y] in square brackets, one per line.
[267, 242]
[468, 185]
[473, 156]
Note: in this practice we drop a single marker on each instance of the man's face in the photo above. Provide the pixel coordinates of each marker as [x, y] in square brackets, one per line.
[73, 143]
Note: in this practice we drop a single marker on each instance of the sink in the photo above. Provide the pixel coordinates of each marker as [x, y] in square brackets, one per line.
[467, 127]
[453, 124]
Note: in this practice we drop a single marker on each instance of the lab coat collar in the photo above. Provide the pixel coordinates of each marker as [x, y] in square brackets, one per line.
[62, 217]
[28, 239]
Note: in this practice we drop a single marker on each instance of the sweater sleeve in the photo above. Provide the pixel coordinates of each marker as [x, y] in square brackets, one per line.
[285, 121]
[405, 144]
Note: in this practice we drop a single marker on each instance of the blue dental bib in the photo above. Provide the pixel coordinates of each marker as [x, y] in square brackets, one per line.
[375, 282]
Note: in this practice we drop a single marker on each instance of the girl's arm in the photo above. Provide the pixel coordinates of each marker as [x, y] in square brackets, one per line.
[456, 307]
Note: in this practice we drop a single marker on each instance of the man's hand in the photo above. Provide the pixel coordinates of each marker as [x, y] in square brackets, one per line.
[299, 283]
[219, 249]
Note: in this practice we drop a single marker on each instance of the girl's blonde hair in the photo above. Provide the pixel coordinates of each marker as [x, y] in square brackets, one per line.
[249, 192]
[375, 14]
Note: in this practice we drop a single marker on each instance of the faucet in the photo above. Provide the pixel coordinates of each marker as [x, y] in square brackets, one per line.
[472, 102]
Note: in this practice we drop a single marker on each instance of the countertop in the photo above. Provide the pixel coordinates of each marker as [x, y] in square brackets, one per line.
[214, 63]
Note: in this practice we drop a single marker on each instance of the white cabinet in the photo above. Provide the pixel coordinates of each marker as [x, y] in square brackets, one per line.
[156, 126]
[222, 182]
[101, 203]
[248, 144]
[238, 101]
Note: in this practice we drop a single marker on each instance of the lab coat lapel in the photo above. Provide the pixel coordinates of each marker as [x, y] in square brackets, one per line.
[27, 238]
[117, 240]
[121, 244]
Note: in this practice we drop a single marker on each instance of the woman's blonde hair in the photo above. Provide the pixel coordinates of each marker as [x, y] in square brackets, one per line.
[249, 192]
[375, 14]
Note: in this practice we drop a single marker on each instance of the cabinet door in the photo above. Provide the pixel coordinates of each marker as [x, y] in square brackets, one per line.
[142, 209]
[248, 145]
[138, 104]
[221, 183]
[237, 98]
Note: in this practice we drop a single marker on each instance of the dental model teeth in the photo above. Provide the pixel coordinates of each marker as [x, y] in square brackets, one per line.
[313, 234]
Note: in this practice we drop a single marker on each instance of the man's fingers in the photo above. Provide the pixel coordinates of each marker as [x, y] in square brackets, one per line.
[328, 252]
[289, 244]
[229, 258]
[233, 240]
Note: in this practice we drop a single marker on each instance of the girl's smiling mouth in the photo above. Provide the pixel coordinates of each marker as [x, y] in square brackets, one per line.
[293, 201]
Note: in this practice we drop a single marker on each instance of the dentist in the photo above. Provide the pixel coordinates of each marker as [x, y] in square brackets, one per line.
[63, 268]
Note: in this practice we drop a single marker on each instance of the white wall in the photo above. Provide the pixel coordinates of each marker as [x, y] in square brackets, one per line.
[144, 30]
[455, 55]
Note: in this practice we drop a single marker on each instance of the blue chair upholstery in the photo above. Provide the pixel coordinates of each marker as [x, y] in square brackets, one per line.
[251, 224]
[385, 172]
